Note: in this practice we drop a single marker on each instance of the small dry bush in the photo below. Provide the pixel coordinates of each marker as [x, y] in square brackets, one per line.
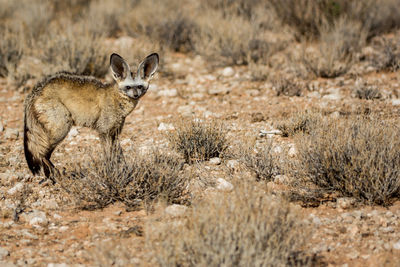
[244, 228]
[263, 162]
[233, 40]
[287, 87]
[367, 92]
[137, 181]
[169, 23]
[73, 50]
[390, 54]
[11, 51]
[105, 17]
[357, 157]
[244, 8]
[197, 140]
[337, 49]
[303, 122]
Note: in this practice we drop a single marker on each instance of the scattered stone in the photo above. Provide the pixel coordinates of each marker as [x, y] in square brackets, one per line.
[345, 202]
[168, 93]
[63, 228]
[215, 161]
[73, 132]
[277, 149]
[353, 230]
[232, 164]
[57, 265]
[388, 229]
[4, 253]
[269, 134]
[50, 204]
[333, 97]
[397, 245]
[165, 127]
[175, 210]
[228, 72]
[223, 185]
[292, 151]
[353, 255]
[219, 90]
[11, 133]
[35, 218]
[335, 115]
[396, 102]
[315, 220]
[252, 92]
[27, 234]
[281, 179]
[126, 142]
[185, 110]
[15, 189]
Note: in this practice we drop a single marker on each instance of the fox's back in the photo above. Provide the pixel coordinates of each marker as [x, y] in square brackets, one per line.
[81, 95]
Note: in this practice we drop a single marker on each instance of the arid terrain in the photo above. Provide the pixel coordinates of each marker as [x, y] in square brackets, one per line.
[307, 166]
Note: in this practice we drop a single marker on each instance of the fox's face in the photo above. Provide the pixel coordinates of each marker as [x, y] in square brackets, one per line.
[133, 85]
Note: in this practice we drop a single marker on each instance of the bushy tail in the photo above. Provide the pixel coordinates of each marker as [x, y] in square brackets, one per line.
[33, 163]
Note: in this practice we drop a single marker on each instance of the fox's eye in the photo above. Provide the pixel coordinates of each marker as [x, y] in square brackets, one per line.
[127, 87]
[140, 87]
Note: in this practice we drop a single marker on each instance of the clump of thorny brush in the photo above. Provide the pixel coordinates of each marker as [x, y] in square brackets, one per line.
[137, 180]
[197, 140]
[356, 157]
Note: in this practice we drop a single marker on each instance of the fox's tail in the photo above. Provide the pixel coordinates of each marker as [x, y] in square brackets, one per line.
[34, 163]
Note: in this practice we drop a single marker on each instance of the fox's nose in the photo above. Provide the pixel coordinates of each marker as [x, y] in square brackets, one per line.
[136, 95]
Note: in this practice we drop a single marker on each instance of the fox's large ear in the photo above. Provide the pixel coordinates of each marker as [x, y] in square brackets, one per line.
[148, 66]
[119, 67]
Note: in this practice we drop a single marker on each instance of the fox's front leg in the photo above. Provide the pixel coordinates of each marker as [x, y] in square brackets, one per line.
[111, 146]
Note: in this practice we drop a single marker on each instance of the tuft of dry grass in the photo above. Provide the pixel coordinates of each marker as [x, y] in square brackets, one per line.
[262, 162]
[390, 59]
[11, 51]
[137, 181]
[337, 48]
[308, 16]
[63, 51]
[287, 87]
[358, 157]
[367, 92]
[303, 122]
[197, 140]
[246, 227]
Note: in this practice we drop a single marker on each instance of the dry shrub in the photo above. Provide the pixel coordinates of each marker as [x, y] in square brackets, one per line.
[357, 157]
[337, 48]
[262, 162]
[74, 50]
[368, 92]
[233, 40]
[137, 181]
[390, 54]
[308, 16]
[7, 9]
[104, 17]
[11, 51]
[244, 8]
[303, 122]
[287, 87]
[166, 22]
[244, 228]
[197, 140]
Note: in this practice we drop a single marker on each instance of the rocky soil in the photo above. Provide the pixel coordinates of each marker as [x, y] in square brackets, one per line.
[40, 226]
